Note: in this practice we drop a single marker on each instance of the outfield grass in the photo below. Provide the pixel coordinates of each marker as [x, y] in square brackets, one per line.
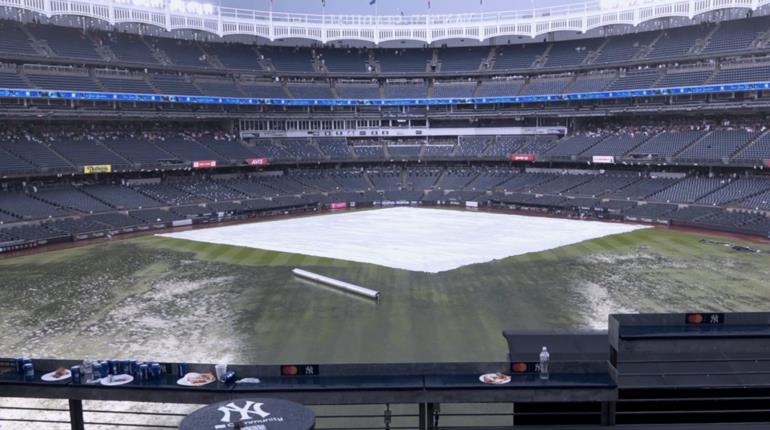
[169, 299]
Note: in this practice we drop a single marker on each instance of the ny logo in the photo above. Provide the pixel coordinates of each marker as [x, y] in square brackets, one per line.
[246, 411]
[714, 319]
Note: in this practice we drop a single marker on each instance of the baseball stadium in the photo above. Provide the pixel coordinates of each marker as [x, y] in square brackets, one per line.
[377, 214]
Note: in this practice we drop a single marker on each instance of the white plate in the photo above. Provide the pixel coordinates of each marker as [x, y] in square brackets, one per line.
[48, 377]
[124, 379]
[184, 381]
[500, 382]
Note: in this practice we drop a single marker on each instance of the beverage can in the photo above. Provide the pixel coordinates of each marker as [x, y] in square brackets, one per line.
[144, 372]
[20, 365]
[181, 368]
[155, 371]
[134, 368]
[29, 372]
[75, 371]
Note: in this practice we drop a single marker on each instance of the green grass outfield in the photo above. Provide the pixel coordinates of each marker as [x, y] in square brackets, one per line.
[170, 299]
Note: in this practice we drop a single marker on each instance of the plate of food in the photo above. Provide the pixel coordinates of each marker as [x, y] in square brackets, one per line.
[59, 374]
[495, 378]
[116, 380]
[194, 379]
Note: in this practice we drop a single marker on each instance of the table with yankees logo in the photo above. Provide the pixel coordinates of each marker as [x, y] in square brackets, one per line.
[251, 414]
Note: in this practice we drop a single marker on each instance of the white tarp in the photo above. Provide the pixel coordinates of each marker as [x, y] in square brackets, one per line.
[426, 240]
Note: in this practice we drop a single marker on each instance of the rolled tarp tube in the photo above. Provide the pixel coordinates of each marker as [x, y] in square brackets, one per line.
[345, 286]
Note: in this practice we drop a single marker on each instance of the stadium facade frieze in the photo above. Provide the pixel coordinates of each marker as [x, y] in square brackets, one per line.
[375, 28]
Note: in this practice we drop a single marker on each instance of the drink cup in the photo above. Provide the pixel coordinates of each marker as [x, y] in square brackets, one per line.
[220, 369]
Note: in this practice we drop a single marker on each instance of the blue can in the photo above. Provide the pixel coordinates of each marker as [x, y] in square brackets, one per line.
[20, 366]
[135, 368]
[144, 372]
[29, 372]
[112, 367]
[103, 369]
[155, 371]
[75, 371]
[181, 369]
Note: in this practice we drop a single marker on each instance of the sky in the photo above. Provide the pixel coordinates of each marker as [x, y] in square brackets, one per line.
[395, 7]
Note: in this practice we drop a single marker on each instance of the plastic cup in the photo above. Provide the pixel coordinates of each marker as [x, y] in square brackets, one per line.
[220, 369]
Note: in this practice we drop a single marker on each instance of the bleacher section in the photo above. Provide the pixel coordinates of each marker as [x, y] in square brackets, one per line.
[741, 75]
[345, 60]
[405, 90]
[462, 59]
[404, 60]
[128, 48]
[718, 145]
[679, 41]
[571, 53]
[453, 89]
[736, 35]
[310, 91]
[358, 91]
[288, 59]
[499, 88]
[625, 47]
[635, 79]
[517, 57]
[66, 42]
[13, 40]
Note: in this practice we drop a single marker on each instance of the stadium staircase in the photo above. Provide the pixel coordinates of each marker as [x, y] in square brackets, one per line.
[541, 59]
[333, 88]
[434, 63]
[159, 55]
[693, 143]
[643, 53]
[700, 44]
[593, 55]
[214, 61]
[749, 143]
[492, 58]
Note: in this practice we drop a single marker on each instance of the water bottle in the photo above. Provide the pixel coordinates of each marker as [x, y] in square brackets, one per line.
[88, 370]
[545, 357]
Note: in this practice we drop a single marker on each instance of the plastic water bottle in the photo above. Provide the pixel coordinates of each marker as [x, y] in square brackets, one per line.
[88, 370]
[545, 357]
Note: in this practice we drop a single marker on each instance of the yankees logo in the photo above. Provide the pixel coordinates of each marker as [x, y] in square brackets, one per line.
[249, 408]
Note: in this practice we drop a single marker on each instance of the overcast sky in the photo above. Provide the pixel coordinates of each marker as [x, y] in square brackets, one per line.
[394, 7]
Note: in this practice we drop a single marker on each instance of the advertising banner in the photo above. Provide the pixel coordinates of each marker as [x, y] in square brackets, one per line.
[339, 205]
[204, 164]
[97, 168]
[257, 161]
[523, 157]
[603, 159]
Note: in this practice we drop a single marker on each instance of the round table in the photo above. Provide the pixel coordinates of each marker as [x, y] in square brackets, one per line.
[251, 413]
